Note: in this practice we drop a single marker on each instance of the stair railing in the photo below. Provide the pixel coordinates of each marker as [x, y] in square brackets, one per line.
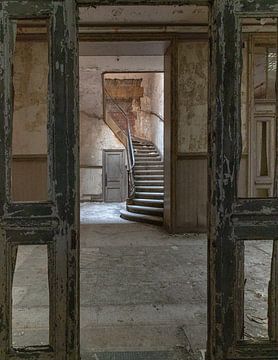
[129, 148]
[152, 113]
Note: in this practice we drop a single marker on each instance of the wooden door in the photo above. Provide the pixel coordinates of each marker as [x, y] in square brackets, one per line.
[114, 175]
[234, 222]
[170, 98]
[52, 222]
[262, 115]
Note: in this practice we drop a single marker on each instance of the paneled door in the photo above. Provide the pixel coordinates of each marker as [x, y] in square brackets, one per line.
[114, 176]
[52, 221]
[238, 225]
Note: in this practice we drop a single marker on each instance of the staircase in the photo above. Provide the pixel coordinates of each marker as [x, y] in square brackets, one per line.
[148, 200]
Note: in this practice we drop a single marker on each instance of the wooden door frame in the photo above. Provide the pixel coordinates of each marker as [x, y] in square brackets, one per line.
[123, 151]
[233, 220]
[54, 223]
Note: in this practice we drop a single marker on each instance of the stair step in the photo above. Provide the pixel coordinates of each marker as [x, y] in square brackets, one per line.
[143, 177]
[147, 156]
[148, 182]
[146, 160]
[145, 152]
[157, 220]
[149, 195]
[144, 147]
[150, 189]
[149, 167]
[148, 210]
[144, 172]
[149, 202]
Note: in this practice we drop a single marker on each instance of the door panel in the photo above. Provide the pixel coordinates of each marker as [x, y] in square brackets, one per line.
[52, 223]
[234, 223]
[114, 176]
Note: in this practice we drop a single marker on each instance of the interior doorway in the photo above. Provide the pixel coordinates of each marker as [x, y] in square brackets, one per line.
[133, 273]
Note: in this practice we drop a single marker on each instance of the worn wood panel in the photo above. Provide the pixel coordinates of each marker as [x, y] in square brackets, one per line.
[224, 160]
[55, 222]
[30, 178]
[191, 208]
[252, 7]
[192, 191]
[141, 2]
[170, 133]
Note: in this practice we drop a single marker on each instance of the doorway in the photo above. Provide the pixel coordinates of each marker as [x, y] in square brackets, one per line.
[53, 225]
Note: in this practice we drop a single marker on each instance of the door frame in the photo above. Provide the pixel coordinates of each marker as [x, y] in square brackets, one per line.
[54, 223]
[170, 122]
[124, 185]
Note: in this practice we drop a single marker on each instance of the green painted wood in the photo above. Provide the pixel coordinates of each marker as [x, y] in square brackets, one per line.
[232, 220]
[255, 7]
[55, 222]
[141, 2]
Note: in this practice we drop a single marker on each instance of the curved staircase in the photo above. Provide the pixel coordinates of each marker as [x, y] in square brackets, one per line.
[148, 201]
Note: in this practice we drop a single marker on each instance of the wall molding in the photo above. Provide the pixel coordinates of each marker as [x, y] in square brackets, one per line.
[30, 157]
[193, 155]
[91, 166]
[198, 155]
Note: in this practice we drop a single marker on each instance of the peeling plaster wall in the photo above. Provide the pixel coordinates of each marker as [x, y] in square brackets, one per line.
[192, 98]
[30, 102]
[148, 126]
[191, 187]
[29, 147]
[95, 134]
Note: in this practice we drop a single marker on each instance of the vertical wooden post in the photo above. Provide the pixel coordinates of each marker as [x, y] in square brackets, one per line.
[273, 286]
[224, 159]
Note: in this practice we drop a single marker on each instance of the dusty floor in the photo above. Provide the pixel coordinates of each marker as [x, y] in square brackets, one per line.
[141, 288]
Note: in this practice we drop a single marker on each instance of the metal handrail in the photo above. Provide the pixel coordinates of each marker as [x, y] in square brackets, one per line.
[152, 113]
[129, 148]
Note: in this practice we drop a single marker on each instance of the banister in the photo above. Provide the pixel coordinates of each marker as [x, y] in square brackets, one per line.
[152, 113]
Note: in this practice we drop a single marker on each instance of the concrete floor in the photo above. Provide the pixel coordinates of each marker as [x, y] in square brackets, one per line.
[141, 288]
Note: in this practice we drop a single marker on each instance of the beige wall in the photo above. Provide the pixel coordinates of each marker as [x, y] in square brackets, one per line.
[30, 102]
[29, 146]
[95, 134]
[192, 103]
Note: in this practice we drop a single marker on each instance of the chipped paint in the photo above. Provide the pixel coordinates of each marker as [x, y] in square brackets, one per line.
[53, 222]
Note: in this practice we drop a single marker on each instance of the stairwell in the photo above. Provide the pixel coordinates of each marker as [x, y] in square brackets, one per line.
[147, 205]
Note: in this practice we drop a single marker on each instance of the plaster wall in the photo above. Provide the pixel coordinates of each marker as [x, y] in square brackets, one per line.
[148, 126]
[30, 98]
[192, 104]
[95, 134]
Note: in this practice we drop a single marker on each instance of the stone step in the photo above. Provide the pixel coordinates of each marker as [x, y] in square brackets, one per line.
[148, 210]
[147, 160]
[154, 171]
[149, 188]
[149, 195]
[148, 202]
[144, 147]
[156, 220]
[149, 167]
[150, 155]
[146, 151]
[148, 182]
[149, 177]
